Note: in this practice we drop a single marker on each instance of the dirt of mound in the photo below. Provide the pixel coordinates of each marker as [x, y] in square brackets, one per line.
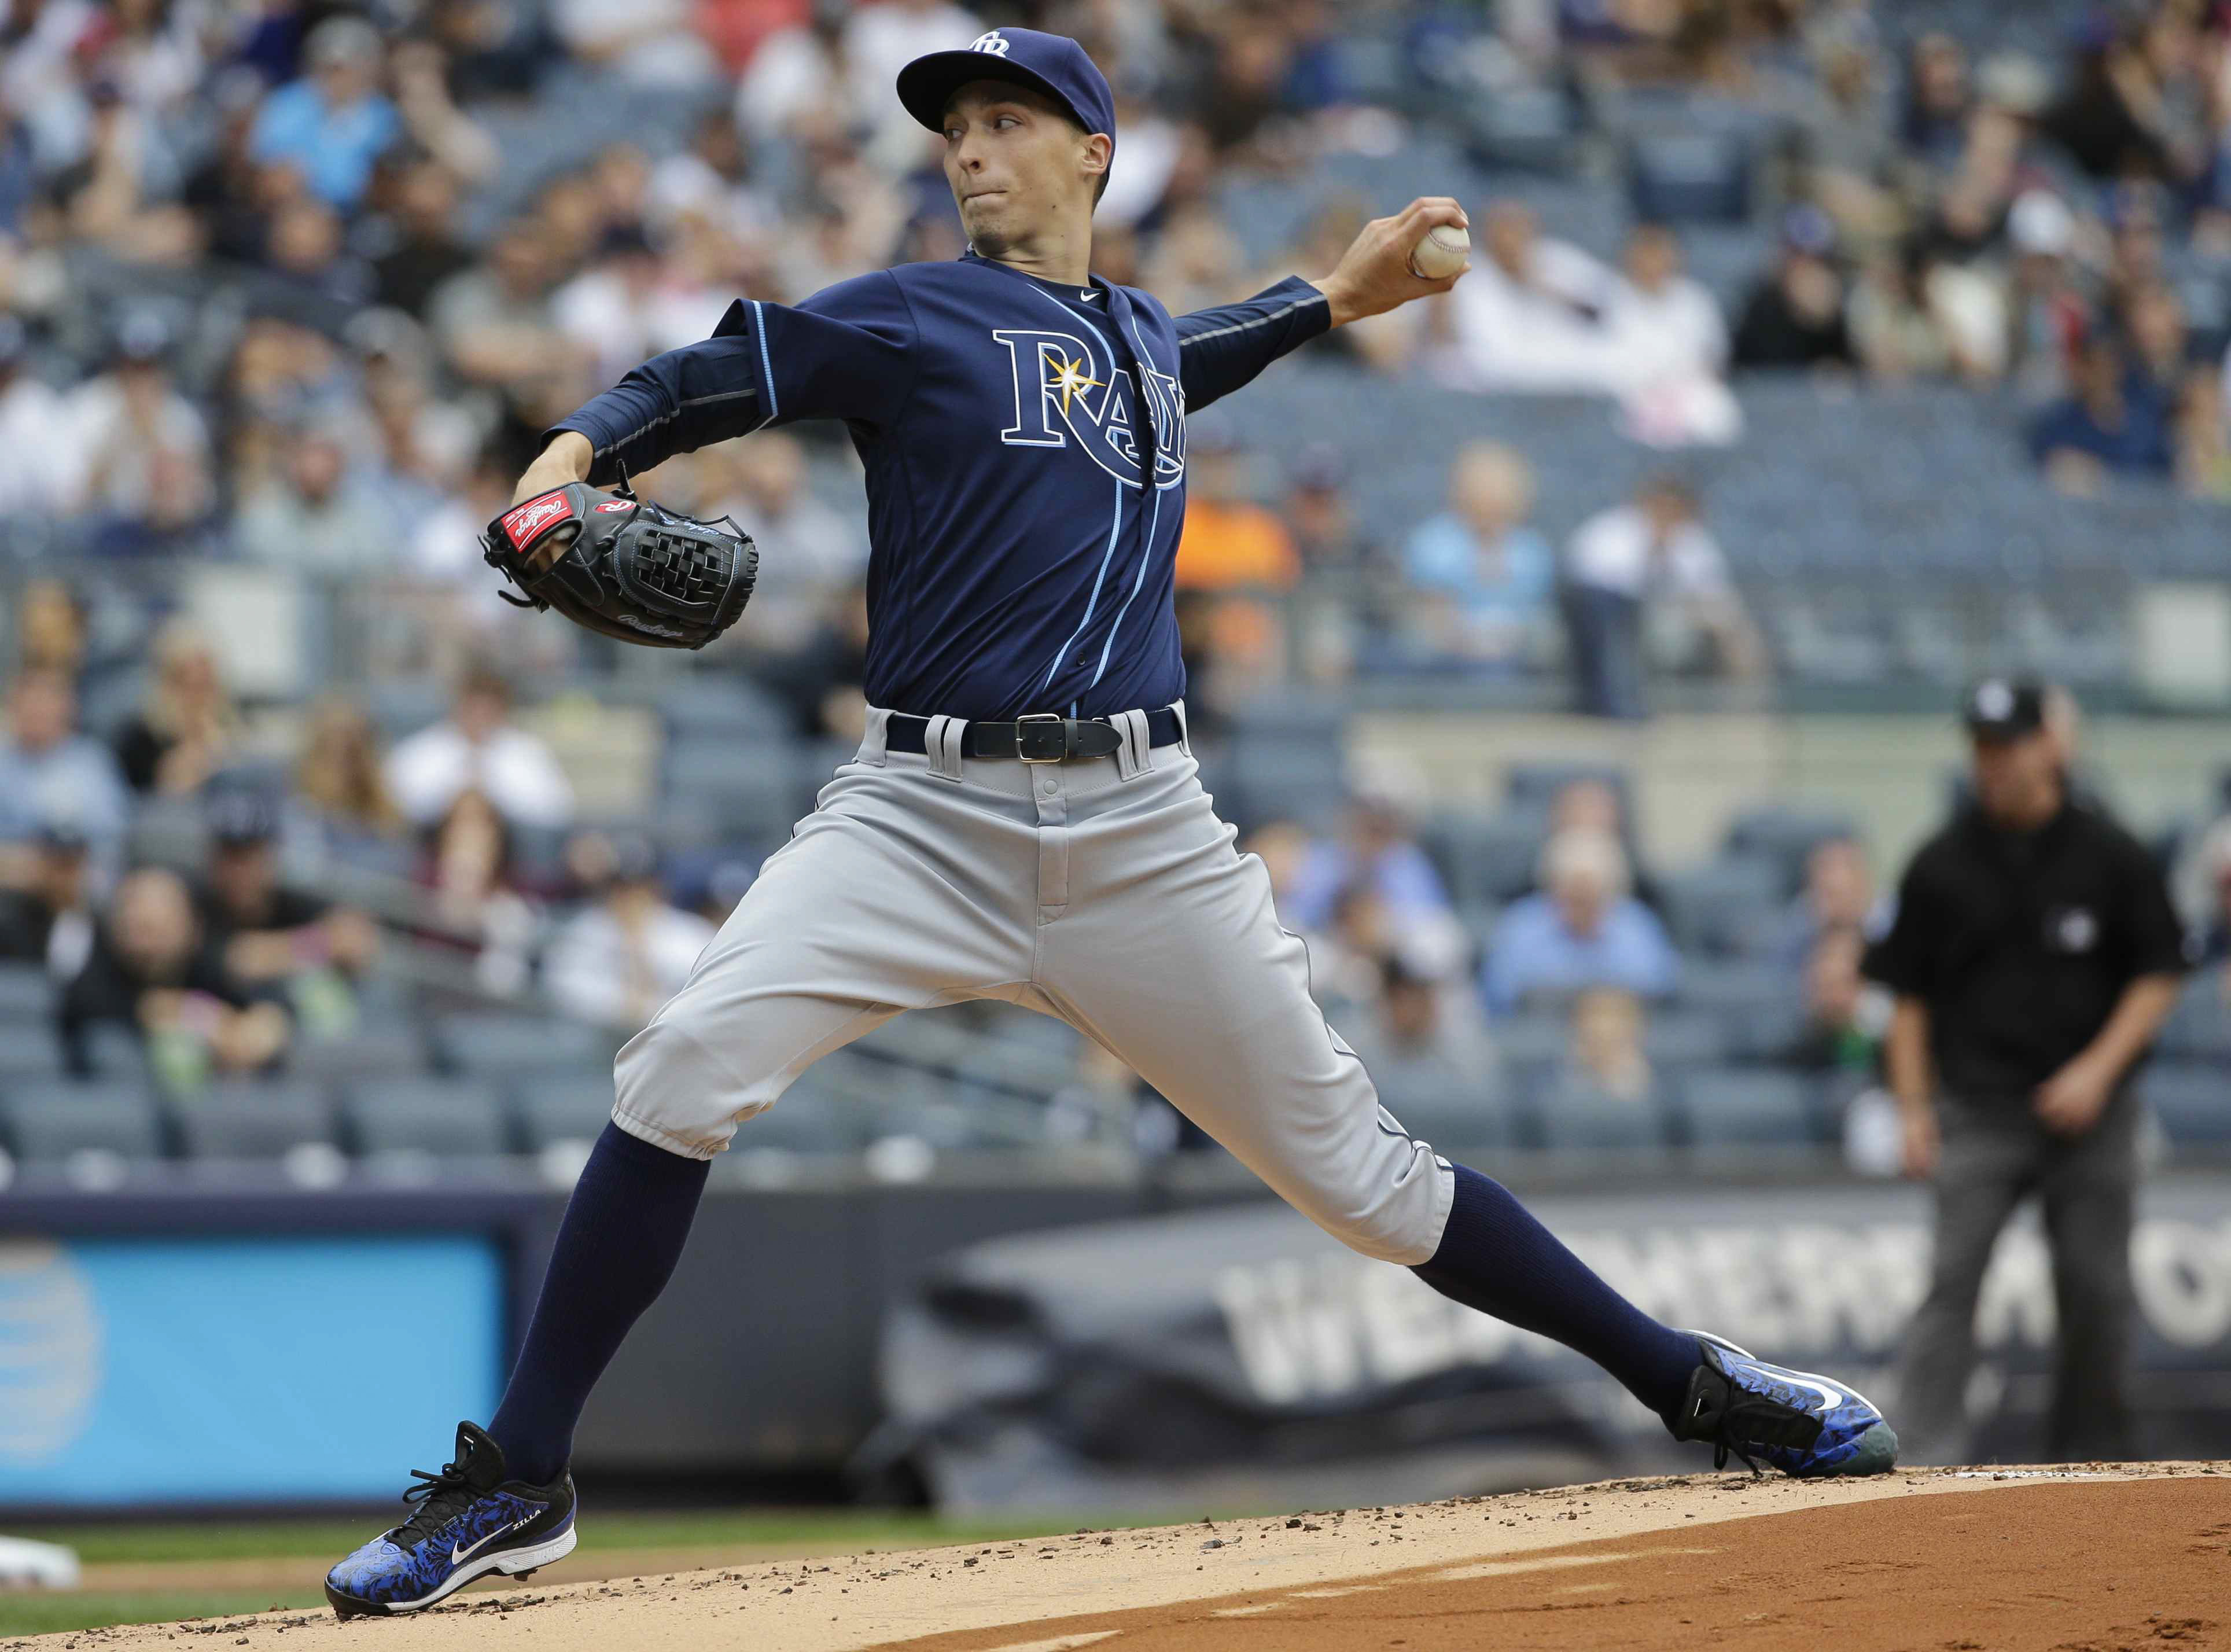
[2078, 1560]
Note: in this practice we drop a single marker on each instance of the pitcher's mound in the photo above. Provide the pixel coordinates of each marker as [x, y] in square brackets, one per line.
[2082, 1559]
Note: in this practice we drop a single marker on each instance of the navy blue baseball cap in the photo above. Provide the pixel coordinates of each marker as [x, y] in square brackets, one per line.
[1053, 64]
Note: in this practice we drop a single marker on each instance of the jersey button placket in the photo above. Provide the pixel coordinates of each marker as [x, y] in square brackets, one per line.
[1053, 799]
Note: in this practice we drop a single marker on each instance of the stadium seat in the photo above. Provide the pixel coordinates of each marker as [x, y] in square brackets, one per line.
[1534, 786]
[373, 1051]
[1485, 861]
[1783, 835]
[1733, 1107]
[26, 994]
[1759, 1006]
[2199, 1028]
[560, 1108]
[48, 1121]
[30, 1049]
[2192, 1104]
[498, 1045]
[442, 1117]
[1575, 1119]
[1682, 1039]
[730, 709]
[1456, 1118]
[1711, 909]
[115, 1052]
[252, 1119]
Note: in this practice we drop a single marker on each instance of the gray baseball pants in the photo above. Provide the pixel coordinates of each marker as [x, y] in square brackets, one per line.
[1994, 1158]
[1102, 891]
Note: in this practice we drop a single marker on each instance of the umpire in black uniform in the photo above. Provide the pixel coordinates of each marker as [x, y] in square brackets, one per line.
[2035, 954]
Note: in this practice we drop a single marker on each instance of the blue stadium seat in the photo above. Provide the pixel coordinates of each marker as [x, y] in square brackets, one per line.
[499, 1045]
[1534, 784]
[557, 1109]
[252, 1119]
[30, 1049]
[1486, 861]
[725, 709]
[1739, 1107]
[2199, 1028]
[1576, 1120]
[1711, 909]
[1455, 1117]
[1759, 1006]
[443, 1118]
[394, 1051]
[48, 1121]
[1680, 1038]
[2192, 1104]
[26, 994]
[1783, 834]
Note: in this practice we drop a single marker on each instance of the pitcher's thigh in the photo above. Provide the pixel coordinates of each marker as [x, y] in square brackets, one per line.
[839, 934]
[1195, 986]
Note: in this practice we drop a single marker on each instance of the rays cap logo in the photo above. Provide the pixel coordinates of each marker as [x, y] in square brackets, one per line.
[1052, 64]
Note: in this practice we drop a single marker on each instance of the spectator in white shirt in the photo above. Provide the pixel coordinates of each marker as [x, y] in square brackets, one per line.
[618, 959]
[479, 748]
[1652, 563]
[1531, 315]
[40, 457]
[123, 421]
[1664, 324]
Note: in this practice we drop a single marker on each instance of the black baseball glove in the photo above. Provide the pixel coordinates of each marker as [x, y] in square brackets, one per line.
[624, 566]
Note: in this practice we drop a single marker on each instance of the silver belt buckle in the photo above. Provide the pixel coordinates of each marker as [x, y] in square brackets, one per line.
[1024, 746]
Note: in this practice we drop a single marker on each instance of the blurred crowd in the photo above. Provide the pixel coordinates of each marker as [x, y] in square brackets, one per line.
[297, 285]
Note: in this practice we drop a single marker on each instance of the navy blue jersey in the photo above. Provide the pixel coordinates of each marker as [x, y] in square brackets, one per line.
[1025, 448]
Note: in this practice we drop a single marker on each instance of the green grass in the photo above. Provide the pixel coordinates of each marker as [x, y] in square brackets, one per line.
[35, 1614]
[842, 1530]
[835, 1531]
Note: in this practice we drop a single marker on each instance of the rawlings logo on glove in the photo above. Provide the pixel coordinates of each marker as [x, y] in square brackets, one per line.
[624, 566]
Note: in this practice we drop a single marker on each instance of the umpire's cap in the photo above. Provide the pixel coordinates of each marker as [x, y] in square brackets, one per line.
[2000, 708]
[1052, 64]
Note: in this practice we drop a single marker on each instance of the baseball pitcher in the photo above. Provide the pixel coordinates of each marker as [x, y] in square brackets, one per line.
[1024, 820]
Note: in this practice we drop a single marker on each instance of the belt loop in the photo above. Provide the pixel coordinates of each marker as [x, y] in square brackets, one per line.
[874, 745]
[1133, 757]
[941, 743]
[1185, 741]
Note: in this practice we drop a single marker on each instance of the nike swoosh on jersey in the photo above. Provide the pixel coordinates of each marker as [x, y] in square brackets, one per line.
[458, 1557]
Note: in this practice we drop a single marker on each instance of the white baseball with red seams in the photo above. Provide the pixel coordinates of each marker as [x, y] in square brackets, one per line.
[1441, 254]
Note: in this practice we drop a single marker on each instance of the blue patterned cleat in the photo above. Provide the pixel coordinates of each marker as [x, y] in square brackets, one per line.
[1804, 1425]
[470, 1521]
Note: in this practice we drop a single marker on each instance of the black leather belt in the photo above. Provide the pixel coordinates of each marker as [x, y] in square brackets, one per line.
[1042, 737]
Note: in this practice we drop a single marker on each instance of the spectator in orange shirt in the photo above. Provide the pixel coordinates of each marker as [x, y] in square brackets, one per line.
[1231, 542]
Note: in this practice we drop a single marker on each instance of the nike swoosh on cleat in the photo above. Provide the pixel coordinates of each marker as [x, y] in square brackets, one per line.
[458, 1557]
[1830, 1397]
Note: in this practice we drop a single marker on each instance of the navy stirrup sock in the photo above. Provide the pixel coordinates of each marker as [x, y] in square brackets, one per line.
[623, 1231]
[1497, 1257]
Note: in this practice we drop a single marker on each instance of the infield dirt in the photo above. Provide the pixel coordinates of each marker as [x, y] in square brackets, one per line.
[2094, 1558]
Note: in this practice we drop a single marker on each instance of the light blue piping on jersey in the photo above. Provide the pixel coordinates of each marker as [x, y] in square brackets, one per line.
[1115, 526]
[1154, 521]
[766, 367]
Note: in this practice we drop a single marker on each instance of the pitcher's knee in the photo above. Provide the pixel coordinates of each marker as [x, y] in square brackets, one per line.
[1395, 1214]
[669, 1088]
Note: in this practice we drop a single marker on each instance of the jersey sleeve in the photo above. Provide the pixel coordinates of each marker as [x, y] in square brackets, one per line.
[2154, 936]
[1903, 958]
[846, 352]
[1221, 349]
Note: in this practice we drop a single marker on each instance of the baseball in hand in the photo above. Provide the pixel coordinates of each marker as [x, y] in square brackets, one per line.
[1441, 254]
